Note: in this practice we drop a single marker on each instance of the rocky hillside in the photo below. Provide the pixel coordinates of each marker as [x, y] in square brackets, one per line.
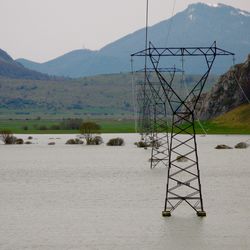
[231, 90]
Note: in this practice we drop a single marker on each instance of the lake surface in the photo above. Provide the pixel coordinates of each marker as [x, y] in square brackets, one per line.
[70, 197]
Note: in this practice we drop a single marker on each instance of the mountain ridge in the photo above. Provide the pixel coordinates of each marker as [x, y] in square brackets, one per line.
[198, 25]
[13, 69]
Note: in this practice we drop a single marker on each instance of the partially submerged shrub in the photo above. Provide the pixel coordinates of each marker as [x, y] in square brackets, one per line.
[97, 140]
[116, 142]
[7, 137]
[88, 129]
[10, 140]
[74, 141]
[241, 145]
[222, 146]
[155, 143]
[19, 141]
[142, 144]
[181, 158]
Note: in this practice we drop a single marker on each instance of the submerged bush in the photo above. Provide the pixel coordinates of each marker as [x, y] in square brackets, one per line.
[97, 140]
[241, 145]
[116, 142]
[181, 158]
[222, 146]
[142, 144]
[74, 141]
[7, 137]
[19, 141]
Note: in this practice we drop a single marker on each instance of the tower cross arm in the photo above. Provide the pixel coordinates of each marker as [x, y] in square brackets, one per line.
[187, 51]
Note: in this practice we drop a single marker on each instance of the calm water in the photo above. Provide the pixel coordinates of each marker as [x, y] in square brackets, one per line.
[67, 197]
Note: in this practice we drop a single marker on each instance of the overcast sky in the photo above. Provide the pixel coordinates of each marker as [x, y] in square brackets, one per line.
[41, 30]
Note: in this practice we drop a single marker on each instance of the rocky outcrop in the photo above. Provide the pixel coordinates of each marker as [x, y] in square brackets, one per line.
[231, 90]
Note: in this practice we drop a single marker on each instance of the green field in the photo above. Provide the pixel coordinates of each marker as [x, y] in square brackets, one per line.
[112, 126]
[44, 126]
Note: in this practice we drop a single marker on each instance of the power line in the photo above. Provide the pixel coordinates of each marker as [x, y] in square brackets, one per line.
[171, 22]
[146, 31]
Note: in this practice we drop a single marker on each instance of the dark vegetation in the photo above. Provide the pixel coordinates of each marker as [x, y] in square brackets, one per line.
[115, 142]
[7, 137]
[74, 141]
[96, 140]
[88, 131]
[142, 144]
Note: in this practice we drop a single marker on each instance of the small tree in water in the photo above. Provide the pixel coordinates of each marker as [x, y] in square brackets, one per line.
[88, 129]
[7, 137]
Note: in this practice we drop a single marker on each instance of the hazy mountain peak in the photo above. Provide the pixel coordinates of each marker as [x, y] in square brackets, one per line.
[198, 25]
[4, 56]
[12, 69]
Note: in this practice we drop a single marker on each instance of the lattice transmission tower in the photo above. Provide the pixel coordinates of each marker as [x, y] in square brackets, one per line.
[183, 178]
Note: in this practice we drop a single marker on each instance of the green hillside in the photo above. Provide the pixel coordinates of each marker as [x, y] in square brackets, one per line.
[102, 96]
[236, 118]
[236, 121]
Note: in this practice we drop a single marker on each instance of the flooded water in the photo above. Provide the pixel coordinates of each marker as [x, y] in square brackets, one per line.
[65, 197]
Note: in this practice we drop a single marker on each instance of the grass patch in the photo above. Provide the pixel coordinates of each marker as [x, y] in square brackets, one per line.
[236, 121]
[44, 126]
[236, 118]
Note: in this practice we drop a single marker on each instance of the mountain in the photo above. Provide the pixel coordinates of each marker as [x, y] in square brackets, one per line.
[12, 69]
[77, 63]
[198, 25]
[231, 91]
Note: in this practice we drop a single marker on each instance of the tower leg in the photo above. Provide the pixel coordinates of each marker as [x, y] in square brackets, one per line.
[183, 183]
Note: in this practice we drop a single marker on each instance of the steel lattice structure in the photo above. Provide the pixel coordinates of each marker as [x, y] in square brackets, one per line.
[183, 179]
[153, 114]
